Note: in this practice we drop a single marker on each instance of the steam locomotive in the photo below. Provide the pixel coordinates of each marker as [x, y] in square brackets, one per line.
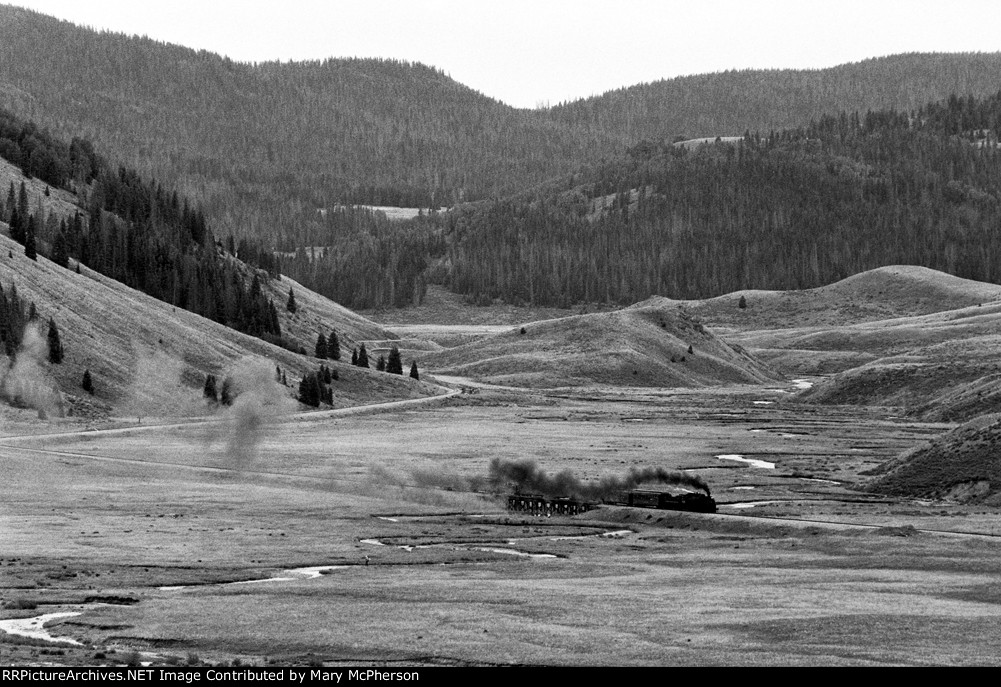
[695, 502]
[637, 498]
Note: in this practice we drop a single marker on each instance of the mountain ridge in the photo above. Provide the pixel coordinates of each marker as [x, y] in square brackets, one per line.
[262, 146]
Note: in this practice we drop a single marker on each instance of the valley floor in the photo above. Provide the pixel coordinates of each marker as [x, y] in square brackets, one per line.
[355, 540]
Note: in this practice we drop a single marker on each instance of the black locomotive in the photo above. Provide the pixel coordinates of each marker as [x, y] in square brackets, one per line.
[695, 502]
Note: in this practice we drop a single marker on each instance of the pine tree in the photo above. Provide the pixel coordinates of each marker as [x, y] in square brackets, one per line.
[380, 364]
[59, 254]
[210, 389]
[321, 347]
[17, 226]
[291, 305]
[413, 370]
[22, 201]
[309, 390]
[362, 356]
[395, 364]
[88, 383]
[354, 356]
[742, 303]
[333, 346]
[55, 347]
[226, 396]
[11, 202]
[29, 240]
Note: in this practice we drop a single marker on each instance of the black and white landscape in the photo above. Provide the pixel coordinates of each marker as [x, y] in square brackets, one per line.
[281, 339]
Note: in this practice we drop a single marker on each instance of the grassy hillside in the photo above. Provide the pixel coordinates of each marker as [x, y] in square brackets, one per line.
[962, 465]
[316, 314]
[147, 357]
[644, 345]
[883, 293]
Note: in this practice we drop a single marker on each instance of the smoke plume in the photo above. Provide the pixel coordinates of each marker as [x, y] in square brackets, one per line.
[525, 476]
[26, 383]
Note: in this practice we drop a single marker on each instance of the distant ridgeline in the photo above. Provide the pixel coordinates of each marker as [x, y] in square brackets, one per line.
[788, 210]
[133, 231]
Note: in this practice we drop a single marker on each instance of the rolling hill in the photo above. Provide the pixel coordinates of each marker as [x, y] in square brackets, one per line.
[653, 343]
[883, 293]
[901, 335]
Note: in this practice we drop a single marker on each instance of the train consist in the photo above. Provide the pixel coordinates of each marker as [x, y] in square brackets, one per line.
[637, 498]
[540, 505]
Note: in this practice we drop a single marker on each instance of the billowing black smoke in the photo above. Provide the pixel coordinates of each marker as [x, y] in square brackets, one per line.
[526, 477]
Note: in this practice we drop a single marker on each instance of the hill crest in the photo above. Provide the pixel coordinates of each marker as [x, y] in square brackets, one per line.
[649, 344]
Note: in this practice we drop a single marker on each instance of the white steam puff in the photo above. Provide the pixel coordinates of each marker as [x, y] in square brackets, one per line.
[26, 382]
[258, 398]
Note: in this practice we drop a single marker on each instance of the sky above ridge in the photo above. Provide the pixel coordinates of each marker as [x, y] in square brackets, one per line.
[536, 52]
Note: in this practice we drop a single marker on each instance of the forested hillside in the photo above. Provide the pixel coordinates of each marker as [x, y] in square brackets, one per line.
[732, 102]
[362, 259]
[129, 228]
[263, 147]
[791, 210]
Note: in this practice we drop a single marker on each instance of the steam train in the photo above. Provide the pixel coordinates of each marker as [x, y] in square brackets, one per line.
[637, 498]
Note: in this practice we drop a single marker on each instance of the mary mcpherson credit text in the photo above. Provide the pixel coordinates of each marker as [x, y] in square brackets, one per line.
[292, 675]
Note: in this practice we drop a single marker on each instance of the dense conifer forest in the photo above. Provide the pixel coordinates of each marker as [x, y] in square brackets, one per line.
[733, 101]
[788, 210]
[264, 148]
[363, 260]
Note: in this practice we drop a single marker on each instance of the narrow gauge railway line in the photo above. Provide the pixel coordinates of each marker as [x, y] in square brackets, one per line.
[318, 480]
[55, 453]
